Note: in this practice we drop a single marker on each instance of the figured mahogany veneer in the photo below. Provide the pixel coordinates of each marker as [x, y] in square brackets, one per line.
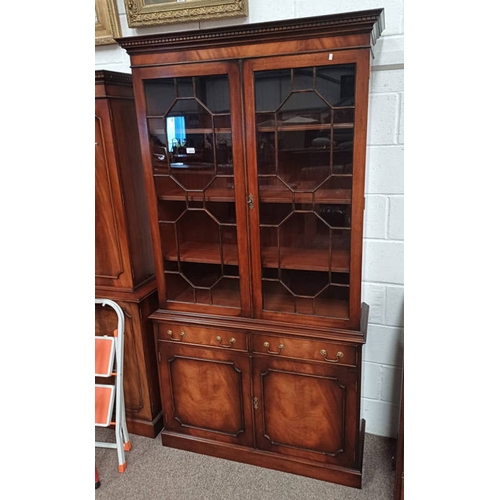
[253, 144]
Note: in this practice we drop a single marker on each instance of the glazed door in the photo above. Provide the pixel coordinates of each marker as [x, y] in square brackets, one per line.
[206, 393]
[195, 160]
[305, 410]
[307, 184]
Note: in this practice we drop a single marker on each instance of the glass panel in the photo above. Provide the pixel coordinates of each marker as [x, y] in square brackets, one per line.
[343, 140]
[271, 89]
[213, 92]
[189, 124]
[266, 152]
[185, 87]
[303, 78]
[305, 131]
[303, 108]
[159, 96]
[336, 84]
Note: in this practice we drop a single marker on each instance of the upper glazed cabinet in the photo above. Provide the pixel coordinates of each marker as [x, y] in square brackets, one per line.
[253, 141]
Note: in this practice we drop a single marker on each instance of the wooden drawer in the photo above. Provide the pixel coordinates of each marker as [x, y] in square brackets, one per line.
[305, 349]
[199, 335]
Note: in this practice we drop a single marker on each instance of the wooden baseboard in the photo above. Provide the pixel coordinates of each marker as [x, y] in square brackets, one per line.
[323, 472]
[145, 428]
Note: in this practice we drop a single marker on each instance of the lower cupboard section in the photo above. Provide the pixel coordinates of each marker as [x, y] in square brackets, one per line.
[298, 416]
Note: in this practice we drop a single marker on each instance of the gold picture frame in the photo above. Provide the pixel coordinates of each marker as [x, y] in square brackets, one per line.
[107, 23]
[158, 12]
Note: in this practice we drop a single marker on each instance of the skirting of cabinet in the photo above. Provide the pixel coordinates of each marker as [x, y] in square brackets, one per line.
[333, 474]
[145, 428]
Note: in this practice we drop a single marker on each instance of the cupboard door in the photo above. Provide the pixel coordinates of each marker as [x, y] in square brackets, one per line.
[304, 173]
[206, 393]
[110, 262]
[196, 157]
[305, 410]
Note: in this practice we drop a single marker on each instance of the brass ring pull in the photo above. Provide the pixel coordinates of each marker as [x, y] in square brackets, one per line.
[340, 355]
[280, 347]
[172, 338]
[231, 341]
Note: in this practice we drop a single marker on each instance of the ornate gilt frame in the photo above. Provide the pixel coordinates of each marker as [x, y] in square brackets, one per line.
[157, 12]
[107, 24]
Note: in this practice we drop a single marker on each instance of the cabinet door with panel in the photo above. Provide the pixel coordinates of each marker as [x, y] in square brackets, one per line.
[206, 393]
[306, 410]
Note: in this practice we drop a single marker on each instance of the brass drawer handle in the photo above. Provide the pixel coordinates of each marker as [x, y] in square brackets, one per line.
[231, 341]
[340, 355]
[280, 347]
[172, 338]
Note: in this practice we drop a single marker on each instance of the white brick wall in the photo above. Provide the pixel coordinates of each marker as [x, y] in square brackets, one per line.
[383, 244]
[383, 259]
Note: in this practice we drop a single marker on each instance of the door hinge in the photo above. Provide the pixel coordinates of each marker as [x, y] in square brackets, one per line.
[256, 403]
[250, 201]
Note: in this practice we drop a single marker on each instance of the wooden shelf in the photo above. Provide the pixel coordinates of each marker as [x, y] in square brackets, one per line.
[220, 296]
[268, 194]
[291, 258]
[303, 127]
[276, 194]
[208, 130]
[224, 195]
[272, 302]
[205, 253]
[306, 259]
[324, 307]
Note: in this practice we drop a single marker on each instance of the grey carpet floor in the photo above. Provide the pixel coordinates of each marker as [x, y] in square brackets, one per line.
[157, 472]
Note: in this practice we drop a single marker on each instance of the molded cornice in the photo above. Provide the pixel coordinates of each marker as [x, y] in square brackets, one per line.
[350, 23]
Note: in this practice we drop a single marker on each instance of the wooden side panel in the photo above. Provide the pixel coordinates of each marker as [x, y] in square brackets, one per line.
[127, 150]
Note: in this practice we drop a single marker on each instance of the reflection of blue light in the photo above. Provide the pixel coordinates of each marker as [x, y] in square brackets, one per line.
[176, 131]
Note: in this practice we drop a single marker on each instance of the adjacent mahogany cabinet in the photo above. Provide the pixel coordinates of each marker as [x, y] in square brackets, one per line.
[253, 142]
[124, 265]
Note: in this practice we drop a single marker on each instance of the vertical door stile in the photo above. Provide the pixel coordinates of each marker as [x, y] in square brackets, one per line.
[240, 174]
[358, 181]
[252, 186]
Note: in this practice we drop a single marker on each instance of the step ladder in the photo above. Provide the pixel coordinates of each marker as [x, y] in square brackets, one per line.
[109, 398]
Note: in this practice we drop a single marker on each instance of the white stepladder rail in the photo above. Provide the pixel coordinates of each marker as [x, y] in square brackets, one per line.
[109, 397]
